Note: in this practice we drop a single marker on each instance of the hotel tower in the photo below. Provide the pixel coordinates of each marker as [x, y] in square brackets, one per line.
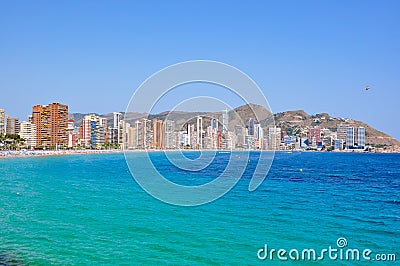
[51, 125]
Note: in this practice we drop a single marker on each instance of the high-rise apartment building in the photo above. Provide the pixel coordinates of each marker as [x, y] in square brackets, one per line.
[350, 138]
[28, 133]
[93, 131]
[250, 127]
[361, 137]
[314, 135]
[2, 122]
[144, 137]
[138, 135]
[199, 133]
[214, 124]
[116, 118]
[169, 134]
[12, 125]
[274, 138]
[342, 132]
[225, 121]
[112, 135]
[72, 136]
[131, 138]
[123, 134]
[158, 134]
[240, 133]
[85, 130]
[258, 131]
[51, 125]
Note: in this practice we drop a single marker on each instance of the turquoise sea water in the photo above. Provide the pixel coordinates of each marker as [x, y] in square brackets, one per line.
[88, 210]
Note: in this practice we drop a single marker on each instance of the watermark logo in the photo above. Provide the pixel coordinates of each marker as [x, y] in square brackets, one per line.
[338, 252]
[341, 242]
[154, 89]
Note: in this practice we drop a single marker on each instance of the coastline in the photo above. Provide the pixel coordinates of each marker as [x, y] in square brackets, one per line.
[24, 154]
[41, 153]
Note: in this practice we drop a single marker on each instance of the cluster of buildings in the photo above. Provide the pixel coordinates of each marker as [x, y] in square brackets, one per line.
[50, 128]
[8, 125]
[45, 128]
[346, 137]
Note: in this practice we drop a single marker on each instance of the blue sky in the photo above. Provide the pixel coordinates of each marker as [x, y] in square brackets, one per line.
[311, 55]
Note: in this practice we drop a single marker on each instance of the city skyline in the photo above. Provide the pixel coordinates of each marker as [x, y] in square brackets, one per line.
[112, 48]
[50, 127]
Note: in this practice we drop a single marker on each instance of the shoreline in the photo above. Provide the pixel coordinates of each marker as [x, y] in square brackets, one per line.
[41, 153]
[34, 153]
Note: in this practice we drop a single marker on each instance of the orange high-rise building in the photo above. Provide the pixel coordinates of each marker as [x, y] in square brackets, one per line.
[51, 125]
[158, 134]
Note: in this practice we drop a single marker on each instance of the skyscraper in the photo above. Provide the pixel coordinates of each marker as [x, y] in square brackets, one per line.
[158, 134]
[350, 138]
[85, 130]
[12, 125]
[199, 136]
[28, 133]
[93, 131]
[259, 132]
[51, 124]
[240, 133]
[143, 134]
[169, 134]
[123, 133]
[131, 138]
[214, 124]
[116, 118]
[250, 127]
[361, 137]
[138, 141]
[274, 138]
[225, 121]
[342, 132]
[2, 122]
[258, 137]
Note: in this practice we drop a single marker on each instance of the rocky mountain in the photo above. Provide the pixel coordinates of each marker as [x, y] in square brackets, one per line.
[293, 122]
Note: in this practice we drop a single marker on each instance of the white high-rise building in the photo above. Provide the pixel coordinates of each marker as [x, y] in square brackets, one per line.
[169, 134]
[123, 133]
[138, 135]
[225, 121]
[199, 133]
[274, 138]
[259, 132]
[93, 129]
[28, 133]
[2, 122]
[116, 118]
[86, 130]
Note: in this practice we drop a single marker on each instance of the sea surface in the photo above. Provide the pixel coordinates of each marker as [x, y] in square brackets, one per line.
[88, 210]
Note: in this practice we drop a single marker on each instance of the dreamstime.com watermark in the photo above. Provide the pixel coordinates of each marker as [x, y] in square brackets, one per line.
[338, 252]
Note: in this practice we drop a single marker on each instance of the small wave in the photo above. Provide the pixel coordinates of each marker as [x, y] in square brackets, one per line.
[393, 201]
[7, 259]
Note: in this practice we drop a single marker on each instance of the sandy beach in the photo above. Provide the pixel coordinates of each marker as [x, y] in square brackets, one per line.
[36, 153]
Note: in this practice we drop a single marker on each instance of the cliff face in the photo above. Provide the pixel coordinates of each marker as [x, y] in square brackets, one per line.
[293, 122]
